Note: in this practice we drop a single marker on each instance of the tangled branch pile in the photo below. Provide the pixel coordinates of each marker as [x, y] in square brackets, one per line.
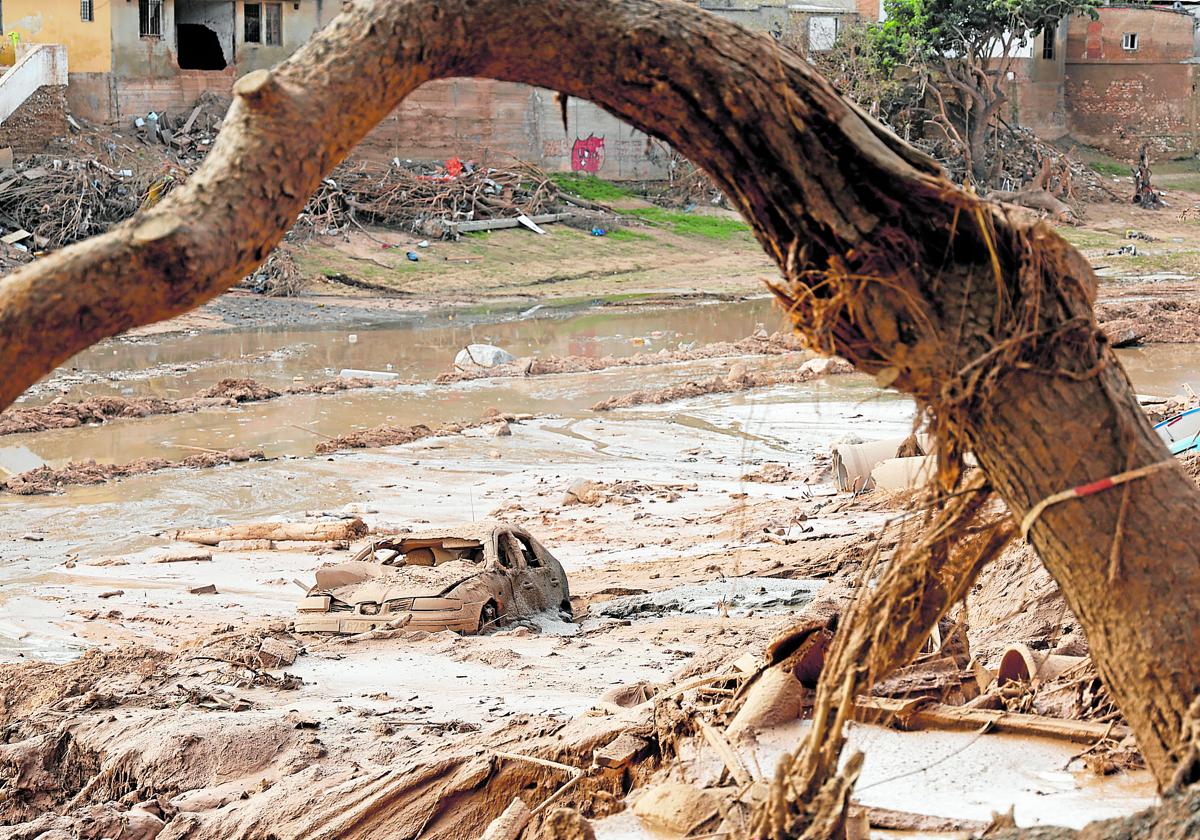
[60, 202]
[423, 198]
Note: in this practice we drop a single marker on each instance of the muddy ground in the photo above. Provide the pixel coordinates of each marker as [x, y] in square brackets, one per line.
[154, 694]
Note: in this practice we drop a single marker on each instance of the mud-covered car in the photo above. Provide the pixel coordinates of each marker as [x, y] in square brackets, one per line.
[468, 579]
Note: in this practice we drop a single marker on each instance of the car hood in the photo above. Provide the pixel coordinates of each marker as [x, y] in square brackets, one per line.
[358, 581]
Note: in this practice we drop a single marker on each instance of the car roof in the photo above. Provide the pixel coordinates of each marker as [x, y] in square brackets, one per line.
[481, 531]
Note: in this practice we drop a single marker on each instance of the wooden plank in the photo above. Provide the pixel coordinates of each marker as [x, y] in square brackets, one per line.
[500, 224]
[914, 715]
[187, 126]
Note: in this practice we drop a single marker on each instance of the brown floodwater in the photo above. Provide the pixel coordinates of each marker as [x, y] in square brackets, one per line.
[418, 349]
[1162, 369]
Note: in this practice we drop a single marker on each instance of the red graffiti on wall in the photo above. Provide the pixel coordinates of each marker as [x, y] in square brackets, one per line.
[587, 155]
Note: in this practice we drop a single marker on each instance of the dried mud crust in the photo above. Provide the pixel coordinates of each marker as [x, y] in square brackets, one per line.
[200, 742]
[738, 379]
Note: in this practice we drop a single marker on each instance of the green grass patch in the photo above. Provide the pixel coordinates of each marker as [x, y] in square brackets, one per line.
[1086, 239]
[1105, 167]
[626, 235]
[690, 224]
[590, 187]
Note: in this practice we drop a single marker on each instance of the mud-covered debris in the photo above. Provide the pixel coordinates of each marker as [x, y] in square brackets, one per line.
[776, 344]
[738, 379]
[620, 752]
[276, 653]
[349, 529]
[469, 578]
[1124, 332]
[206, 589]
[567, 824]
[722, 597]
[510, 824]
[183, 554]
[592, 493]
[227, 393]
[112, 593]
[45, 480]
[676, 807]
[771, 474]
[381, 436]
[239, 390]
[482, 356]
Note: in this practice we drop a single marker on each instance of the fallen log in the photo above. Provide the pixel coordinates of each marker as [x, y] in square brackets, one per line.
[913, 715]
[892, 820]
[276, 531]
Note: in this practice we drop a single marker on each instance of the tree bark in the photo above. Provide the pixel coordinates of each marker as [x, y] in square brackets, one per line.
[979, 311]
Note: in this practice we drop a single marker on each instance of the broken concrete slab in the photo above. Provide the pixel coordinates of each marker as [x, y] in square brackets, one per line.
[620, 752]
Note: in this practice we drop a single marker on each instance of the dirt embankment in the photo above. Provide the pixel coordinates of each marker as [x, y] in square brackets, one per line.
[761, 344]
[1158, 320]
[738, 379]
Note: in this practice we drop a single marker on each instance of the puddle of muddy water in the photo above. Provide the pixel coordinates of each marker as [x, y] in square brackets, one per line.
[1162, 369]
[416, 349]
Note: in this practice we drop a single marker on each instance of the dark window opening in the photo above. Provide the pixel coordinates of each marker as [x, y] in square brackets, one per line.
[531, 558]
[150, 18]
[199, 48]
[87, 10]
[252, 12]
[1048, 45]
[1129, 41]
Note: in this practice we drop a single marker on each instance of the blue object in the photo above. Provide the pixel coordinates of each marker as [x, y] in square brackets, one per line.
[1180, 433]
[412, 256]
[598, 231]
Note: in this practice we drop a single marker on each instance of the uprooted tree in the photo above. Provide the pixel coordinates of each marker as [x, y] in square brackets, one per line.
[979, 311]
[971, 45]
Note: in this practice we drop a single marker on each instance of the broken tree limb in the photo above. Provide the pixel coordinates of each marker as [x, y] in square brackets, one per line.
[510, 824]
[725, 750]
[908, 715]
[274, 532]
[977, 310]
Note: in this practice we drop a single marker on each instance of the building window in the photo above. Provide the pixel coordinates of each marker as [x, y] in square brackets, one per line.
[253, 15]
[273, 23]
[822, 33]
[264, 23]
[150, 18]
[87, 10]
[1047, 45]
[1129, 41]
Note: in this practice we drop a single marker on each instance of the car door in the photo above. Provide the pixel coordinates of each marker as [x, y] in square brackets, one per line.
[530, 592]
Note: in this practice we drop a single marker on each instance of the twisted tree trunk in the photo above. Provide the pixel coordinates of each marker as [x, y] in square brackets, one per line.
[981, 313]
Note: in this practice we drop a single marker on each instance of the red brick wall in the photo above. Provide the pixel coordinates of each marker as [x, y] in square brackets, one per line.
[868, 10]
[1118, 107]
[1163, 36]
[137, 97]
[1116, 98]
